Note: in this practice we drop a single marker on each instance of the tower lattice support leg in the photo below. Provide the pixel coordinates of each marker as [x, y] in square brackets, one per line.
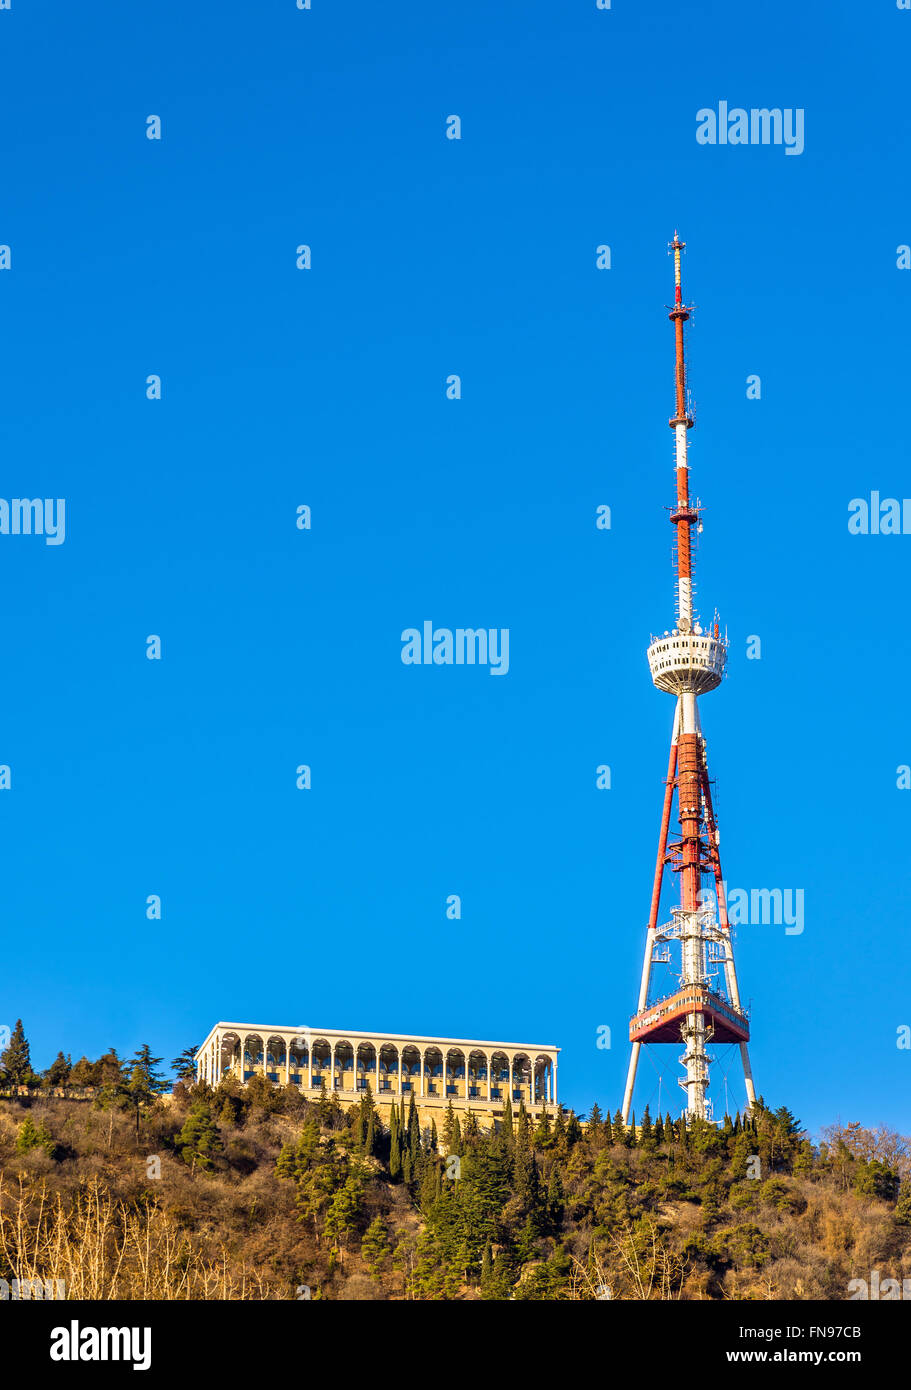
[748, 1075]
[730, 969]
[653, 911]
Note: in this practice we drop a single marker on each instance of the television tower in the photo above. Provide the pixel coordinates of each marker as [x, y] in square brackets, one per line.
[686, 663]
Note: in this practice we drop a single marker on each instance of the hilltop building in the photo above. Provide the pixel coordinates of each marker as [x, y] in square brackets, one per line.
[473, 1074]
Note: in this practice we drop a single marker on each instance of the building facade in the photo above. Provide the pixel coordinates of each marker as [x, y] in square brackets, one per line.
[472, 1074]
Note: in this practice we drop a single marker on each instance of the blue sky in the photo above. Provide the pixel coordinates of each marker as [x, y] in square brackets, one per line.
[325, 387]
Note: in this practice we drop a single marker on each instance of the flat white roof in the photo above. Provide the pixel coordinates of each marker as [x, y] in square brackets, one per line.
[363, 1035]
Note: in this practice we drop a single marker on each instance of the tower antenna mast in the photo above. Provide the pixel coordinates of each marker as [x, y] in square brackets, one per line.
[686, 663]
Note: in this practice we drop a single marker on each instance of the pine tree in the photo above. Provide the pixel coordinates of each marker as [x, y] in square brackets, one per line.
[285, 1165]
[803, 1159]
[595, 1127]
[526, 1181]
[146, 1083]
[58, 1073]
[342, 1215]
[16, 1060]
[199, 1139]
[147, 1066]
[184, 1066]
[573, 1129]
[543, 1138]
[375, 1247]
[32, 1136]
[487, 1272]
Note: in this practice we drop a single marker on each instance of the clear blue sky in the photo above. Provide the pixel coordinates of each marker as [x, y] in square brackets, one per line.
[280, 647]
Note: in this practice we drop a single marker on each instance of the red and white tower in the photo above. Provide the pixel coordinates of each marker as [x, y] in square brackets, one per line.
[686, 663]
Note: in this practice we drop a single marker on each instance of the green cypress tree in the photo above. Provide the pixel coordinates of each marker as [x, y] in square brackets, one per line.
[414, 1129]
[555, 1198]
[395, 1145]
[449, 1122]
[507, 1127]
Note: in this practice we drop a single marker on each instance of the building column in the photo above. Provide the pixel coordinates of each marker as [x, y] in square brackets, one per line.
[309, 1063]
[332, 1066]
[377, 1069]
[400, 1070]
[512, 1084]
[555, 1082]
[489, 1076]
[422, 1073]
[443, 1050]
[287, 1061]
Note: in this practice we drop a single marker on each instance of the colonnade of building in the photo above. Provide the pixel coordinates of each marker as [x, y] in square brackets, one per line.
[435, 1070]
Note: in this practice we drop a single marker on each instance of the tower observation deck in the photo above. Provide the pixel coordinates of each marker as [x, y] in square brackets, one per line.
[702, 1004]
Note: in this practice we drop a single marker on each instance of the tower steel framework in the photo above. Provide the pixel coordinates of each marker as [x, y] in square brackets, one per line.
[686, 663]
